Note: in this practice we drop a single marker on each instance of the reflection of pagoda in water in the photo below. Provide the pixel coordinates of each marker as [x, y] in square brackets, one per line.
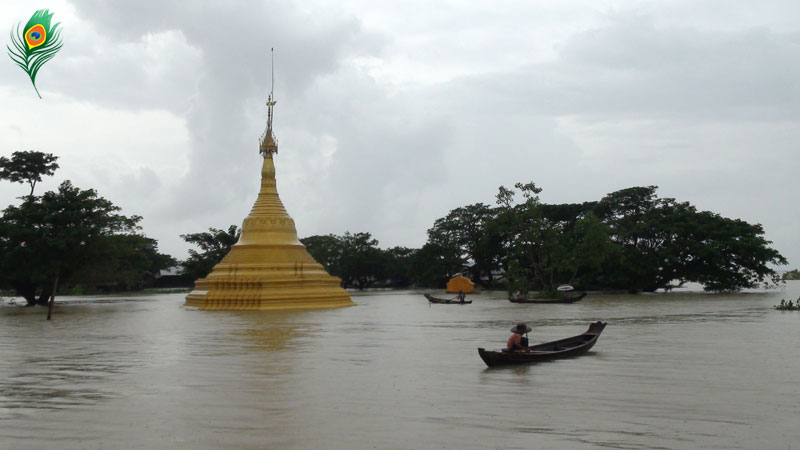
[268, 268]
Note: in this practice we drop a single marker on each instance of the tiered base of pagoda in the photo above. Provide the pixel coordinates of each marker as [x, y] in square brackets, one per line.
[268, 268]
[268, 287]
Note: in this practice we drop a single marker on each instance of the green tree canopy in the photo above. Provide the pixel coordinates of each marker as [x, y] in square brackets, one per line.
[353, 257]
[630, 239]
[56, 236]
[326, 250]
[470, 232]
[792, 275]
[663, 242]
[548, 245]
[399, 266]
[127, 262]
[433, 265]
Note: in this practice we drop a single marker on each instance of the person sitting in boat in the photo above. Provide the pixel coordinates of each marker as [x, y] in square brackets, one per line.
[517, 342]
[461, 296]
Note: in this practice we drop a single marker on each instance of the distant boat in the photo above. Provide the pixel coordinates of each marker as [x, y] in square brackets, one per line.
[566, 299]
[450, 301]
[563, 348]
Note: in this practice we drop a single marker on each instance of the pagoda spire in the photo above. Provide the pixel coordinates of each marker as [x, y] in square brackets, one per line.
[268, 144]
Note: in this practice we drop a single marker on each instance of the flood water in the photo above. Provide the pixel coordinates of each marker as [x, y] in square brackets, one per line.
[683, 370]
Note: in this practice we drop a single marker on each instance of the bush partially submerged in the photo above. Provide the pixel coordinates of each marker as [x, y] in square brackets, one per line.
[789, 306]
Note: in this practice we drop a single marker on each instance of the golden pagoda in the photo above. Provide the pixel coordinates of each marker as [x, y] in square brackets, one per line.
[268, 268]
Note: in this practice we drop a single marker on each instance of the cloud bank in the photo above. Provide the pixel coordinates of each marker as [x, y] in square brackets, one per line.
[389, 117]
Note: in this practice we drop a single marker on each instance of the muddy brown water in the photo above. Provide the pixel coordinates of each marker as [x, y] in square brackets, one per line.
[683, 370]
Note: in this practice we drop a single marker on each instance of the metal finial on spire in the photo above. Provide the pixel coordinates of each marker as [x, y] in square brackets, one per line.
[268, 144]
[272, 69]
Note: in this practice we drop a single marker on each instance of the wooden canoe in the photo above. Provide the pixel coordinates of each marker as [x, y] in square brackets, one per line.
[572, 346]
[448, 301]
[566, 299]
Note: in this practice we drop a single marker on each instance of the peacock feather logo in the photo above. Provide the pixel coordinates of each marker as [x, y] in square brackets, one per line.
[36, 45]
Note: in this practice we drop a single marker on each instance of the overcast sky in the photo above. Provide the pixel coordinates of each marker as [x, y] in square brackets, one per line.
[390, 114]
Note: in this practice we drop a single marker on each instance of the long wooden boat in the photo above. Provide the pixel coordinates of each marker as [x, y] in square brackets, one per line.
[572, 346]
[448, 301]
[566, 299]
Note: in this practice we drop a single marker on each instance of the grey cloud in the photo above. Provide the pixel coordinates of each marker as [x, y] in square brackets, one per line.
[233, 39]
[703, 104]
[633, 67]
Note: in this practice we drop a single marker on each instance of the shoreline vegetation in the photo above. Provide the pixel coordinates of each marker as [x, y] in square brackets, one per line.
[629, 241]
[788, 306]
[791, 275]
[72, 241]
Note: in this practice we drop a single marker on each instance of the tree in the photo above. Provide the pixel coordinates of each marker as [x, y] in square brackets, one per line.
[630, 239]
[125, 262]
[353, 257]
[547, 245]
[792, 275]
[638, 220]
[663, 242]
[433, 265]
[469, 233]
[214, 245]
[399, 262]
[52, 238]
[533, 246]
[590, 247]
[326, 250]
[362, 262]
[68, 236]
[723, 254]
[27, 167]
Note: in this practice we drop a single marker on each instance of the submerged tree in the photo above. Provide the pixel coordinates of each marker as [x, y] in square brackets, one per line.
[433, 265]
[49, 239]
[353, 257]
[791, 275]
[470, 232]
[399, 266]
[362, 263]
[68, 236]
[125, 262]
[548, 245]
[664, 242]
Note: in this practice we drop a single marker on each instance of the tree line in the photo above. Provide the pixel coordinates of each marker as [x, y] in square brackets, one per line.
[628, 240]
[68, 237]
